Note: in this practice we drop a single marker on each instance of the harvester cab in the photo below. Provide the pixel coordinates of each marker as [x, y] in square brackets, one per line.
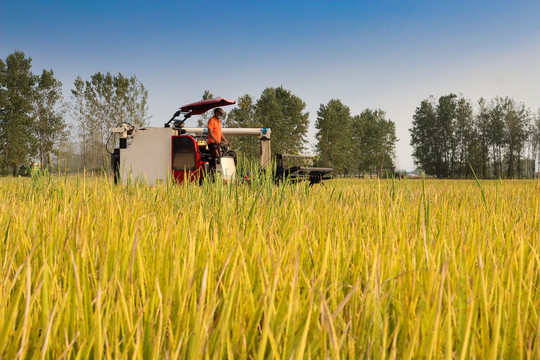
[154, 155]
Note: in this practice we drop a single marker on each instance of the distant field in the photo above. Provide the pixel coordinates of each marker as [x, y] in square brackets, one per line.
[351, 269]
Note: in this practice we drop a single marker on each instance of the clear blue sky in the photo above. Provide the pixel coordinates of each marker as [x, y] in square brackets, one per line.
[369, 54]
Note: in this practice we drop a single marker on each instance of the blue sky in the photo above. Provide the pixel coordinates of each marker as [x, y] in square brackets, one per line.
[369, 54]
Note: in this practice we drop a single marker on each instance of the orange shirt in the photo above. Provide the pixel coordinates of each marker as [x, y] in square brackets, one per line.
[214, 124]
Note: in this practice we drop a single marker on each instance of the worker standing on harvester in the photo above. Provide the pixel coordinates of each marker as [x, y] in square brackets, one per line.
[215, 135]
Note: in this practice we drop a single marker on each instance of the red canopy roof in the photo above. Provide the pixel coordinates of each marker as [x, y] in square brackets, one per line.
[205, 105]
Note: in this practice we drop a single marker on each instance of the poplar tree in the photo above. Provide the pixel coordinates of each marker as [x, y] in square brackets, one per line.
[448, 139]
[283, 112]
[535, 131]
[49, 127]
[3, 113]
[80, 113]
[482, 130]
[423, 141]
[374, 139]
[496, 136]
[443, 131]
[335, 146]
[464, 135]
[101, 103]
[243, 116]
[516, 118]
[16, 94]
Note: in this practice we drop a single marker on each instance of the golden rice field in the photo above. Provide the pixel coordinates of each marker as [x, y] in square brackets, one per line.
[352, 269]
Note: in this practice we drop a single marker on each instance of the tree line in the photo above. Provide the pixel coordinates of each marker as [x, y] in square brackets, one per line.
[454, 138]
[350, 144]
[33, 125]
[99, 104]
[451, 136]
[355, 144]
[33, 112]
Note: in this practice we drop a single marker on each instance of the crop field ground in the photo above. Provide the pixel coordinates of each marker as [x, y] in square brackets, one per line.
[378, 269]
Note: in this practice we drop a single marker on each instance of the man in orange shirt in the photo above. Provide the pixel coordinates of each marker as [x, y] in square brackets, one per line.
[215, 136]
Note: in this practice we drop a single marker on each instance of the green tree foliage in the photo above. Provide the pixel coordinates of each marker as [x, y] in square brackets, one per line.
[386, 144]
[516, 119]
[535, 140]
[373, 142]
[280, 110]
[334, 144]
[243, 116]
[425, 147]
[356, 144]
[507, 138]
[448, 138]
[464, 138]
[496, 136]
[101, 103]
[3, 113]
[3, 88]
[443, 136]
[79, 111]
[481, 143]
[17, 95]
[50, 127]
[445, 150]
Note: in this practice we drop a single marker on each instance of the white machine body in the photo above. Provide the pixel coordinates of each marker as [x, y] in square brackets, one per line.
[226, 168]
[148, 157]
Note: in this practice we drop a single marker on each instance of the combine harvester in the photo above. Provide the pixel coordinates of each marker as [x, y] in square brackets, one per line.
[153, 155]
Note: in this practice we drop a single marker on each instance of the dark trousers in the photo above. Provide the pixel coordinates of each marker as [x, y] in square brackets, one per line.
[213, 155]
